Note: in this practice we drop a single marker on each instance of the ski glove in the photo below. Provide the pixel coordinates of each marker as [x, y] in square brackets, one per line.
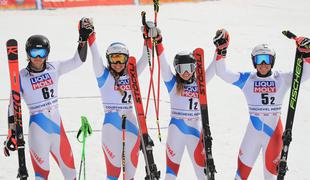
[10, 143]
[151, 31]
[86, 28]
[303, 44]
[221, 42]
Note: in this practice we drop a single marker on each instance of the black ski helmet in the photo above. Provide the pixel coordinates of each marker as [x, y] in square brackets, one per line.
[37, 41]
[183, 57]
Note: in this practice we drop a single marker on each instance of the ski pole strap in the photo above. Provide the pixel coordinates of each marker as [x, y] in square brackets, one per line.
[85, 129]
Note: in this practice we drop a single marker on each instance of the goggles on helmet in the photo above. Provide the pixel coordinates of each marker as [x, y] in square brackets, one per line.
[182, 68]
[38, 52]
[263, 58]
[118, 58]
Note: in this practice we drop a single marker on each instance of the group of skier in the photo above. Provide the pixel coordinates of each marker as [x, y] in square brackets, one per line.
[264, 90]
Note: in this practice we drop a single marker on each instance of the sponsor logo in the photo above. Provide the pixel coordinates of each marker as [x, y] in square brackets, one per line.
[108, 151]
[135, 85]
[190, 91]
[17, 108]
[37, 157]
[264, 87]
[123, 84]
[41, 81]
[170, 151]
[296, 83]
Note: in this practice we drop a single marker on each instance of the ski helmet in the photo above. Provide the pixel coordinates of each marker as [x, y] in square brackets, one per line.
[117, 48]
[263, 49]
[184, 57]
[38, 42]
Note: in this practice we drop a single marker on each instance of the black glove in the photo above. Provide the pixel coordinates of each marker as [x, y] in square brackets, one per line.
[86, 28]
[10, 143]
[151, 31]
[221, 42]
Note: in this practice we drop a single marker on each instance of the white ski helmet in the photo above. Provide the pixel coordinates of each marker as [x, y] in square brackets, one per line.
[117, 48]
[263, 49]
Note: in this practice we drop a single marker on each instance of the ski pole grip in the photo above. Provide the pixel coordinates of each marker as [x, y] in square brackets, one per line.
[289, 34]
[156, 5]
[123, 121]
[143, 14]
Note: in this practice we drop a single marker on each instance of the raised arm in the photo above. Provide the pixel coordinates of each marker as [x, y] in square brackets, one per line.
[85, 30]
[210, 71]
[165, 70]
[221, 41]
[147, 31]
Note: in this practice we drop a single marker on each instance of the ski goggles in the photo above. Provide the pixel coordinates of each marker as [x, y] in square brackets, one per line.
[263, 58]
[182, 68]
[118, 58]
[38, 52]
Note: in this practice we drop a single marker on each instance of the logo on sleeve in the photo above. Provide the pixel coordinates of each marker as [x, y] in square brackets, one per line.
[264, 87]
[190, 91]
[41, 81]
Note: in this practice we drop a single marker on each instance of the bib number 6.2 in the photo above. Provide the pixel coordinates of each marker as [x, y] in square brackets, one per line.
[47, 93]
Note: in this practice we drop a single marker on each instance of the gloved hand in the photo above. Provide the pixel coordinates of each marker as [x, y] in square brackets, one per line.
[150, 31]
[10, 144]
[221, 42]
[303, 44]
[86, 28]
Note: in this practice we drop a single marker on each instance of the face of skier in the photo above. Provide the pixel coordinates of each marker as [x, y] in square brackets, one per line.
[263, 63]
[186, 75]
[38, 57]
[37, 63]
[263, 68]
[118, 62]
[186, 70]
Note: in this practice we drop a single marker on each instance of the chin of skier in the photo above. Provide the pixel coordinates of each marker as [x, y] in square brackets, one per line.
[116, 96]
[264, 91]
[185, 125]
[39, 88]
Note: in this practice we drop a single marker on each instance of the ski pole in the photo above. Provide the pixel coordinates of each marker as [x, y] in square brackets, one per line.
[123, 139]
[156, 10]
[151, 68]
[85, 130]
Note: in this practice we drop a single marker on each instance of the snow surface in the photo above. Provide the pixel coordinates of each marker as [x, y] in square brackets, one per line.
[185, 26]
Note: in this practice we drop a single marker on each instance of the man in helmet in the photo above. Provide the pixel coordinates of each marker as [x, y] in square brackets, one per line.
[39, 87]
[116, 96]
[264, 91]
[184, 129]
